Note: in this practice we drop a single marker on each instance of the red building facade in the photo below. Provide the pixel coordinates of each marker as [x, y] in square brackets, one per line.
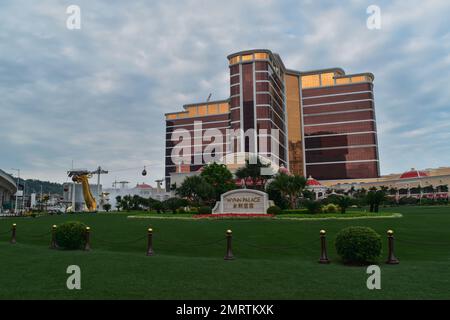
[317, 123]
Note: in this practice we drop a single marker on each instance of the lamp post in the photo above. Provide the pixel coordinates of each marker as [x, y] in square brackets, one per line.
[17, 192]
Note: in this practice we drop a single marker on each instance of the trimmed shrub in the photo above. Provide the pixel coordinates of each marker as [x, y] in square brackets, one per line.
[274, 210]
[313, 206]
[71, 235]
[358, 245]
[330, 208]
[182, 210]
[295, 211]
[194, 210]
[204, 210]
[408, 201]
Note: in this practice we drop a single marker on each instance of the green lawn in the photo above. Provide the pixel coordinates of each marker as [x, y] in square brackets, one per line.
[275, 259]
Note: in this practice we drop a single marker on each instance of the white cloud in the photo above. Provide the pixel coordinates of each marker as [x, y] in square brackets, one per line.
[98, 95]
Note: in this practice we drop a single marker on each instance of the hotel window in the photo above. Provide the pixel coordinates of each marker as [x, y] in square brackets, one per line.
[248, 57]
[183, 115]
[234, 60]
[359, 79]
[261, 56]
[192, 111]
[213, 109]
[327, 79]
[224, 108]
[202, 110]
[171, 116]
[342, 81]
[310, 81]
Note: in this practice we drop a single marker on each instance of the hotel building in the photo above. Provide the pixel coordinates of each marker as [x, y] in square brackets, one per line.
[318, 123]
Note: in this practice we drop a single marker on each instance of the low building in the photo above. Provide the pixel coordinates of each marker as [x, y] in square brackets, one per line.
[143, 190]
[319, 190]
[427, 183]
[8, 188]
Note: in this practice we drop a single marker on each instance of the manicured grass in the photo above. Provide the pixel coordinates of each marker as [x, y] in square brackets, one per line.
[347, 215]
[293, 216]
[275, 259]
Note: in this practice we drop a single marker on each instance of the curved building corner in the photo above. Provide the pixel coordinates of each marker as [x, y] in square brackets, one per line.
[8, 188]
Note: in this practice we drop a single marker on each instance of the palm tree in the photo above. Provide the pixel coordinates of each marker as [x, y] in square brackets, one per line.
[290, 186]
[344, 202]
[251, 173]
[197, 191]
[375, 198]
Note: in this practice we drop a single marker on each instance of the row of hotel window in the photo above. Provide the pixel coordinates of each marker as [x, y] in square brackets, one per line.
[309, 81]
[200, 110]
[328, 79]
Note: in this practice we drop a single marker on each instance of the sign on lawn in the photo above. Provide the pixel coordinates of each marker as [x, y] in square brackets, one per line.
[242, 201]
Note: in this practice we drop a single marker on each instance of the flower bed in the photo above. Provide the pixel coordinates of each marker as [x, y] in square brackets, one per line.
[232, 215]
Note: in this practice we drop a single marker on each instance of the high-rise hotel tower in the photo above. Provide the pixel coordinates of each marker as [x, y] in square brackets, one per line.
[324, 119]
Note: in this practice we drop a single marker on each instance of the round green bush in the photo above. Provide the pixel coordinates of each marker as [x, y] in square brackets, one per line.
[71, 235]
[330, 208]
[358, 245]
[312, 206]
[274, 210]
[204, 210]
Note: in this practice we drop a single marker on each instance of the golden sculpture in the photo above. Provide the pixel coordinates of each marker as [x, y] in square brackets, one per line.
[83, 178]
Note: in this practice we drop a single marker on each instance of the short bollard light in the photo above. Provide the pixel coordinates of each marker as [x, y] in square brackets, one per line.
[13, 233]
[53, 242]
[87, 246]
[391, 256]
[229, 255]
[150, 251]
[323, 248]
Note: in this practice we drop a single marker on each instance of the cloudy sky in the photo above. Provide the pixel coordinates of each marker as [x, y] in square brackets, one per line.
[97, 95]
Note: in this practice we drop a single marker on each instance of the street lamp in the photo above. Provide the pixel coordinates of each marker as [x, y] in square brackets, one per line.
[17, 192]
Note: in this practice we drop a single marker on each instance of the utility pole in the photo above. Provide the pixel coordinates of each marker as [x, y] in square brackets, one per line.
[17, 193]
[23, 196]
[40, 200]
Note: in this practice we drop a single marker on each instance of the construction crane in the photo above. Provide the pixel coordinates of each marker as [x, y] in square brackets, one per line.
[99, 171]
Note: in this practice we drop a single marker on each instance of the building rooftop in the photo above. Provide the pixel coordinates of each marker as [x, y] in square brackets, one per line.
[312, 182]
[143, 186]
[413, 173]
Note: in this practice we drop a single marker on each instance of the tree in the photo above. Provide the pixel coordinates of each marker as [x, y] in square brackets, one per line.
[276, 196]
[251, 174]
[118, 203]
[107, 207]
[290, 186]
[172, 204]
[126, 203]
[380, 196]
[219, 177]
[370, 199]
[312, 206]
[344, 202]
[197, 191]
[374, 198]
[157, 206]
